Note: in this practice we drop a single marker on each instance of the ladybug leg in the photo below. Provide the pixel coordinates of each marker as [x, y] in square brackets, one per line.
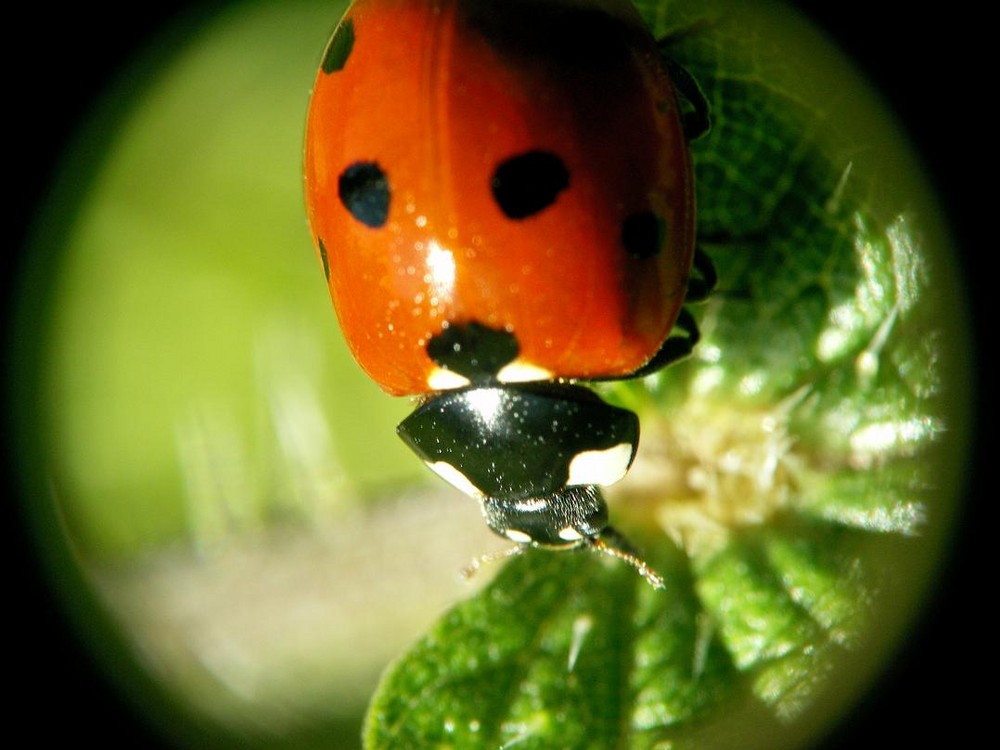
[695, 121]
[702, 282]
[685, 334]
[676, 347]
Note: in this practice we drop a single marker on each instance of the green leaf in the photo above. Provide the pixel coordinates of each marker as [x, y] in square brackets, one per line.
[794, 481]
[561, 651]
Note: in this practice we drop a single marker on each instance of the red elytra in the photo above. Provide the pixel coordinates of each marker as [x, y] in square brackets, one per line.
[519, 164]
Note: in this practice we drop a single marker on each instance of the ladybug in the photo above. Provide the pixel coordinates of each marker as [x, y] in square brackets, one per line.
[502, 199]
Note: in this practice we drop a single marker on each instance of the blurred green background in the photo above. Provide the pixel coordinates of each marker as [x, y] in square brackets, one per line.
[190, 322]
[208, 434]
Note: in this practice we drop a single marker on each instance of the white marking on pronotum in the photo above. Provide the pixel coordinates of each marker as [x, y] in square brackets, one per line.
[455, 478]
[444, 380]
[581, 628]
[522, 372]
[600, 467]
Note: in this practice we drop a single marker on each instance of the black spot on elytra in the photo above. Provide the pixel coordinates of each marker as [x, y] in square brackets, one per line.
[525, 184]
[644, 234]
[339, 48]
[325, 258]
[473, 350]
[364, 190]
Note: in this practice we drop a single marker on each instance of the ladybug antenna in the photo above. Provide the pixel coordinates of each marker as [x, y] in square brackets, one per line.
[490, 557]
[612, 543]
